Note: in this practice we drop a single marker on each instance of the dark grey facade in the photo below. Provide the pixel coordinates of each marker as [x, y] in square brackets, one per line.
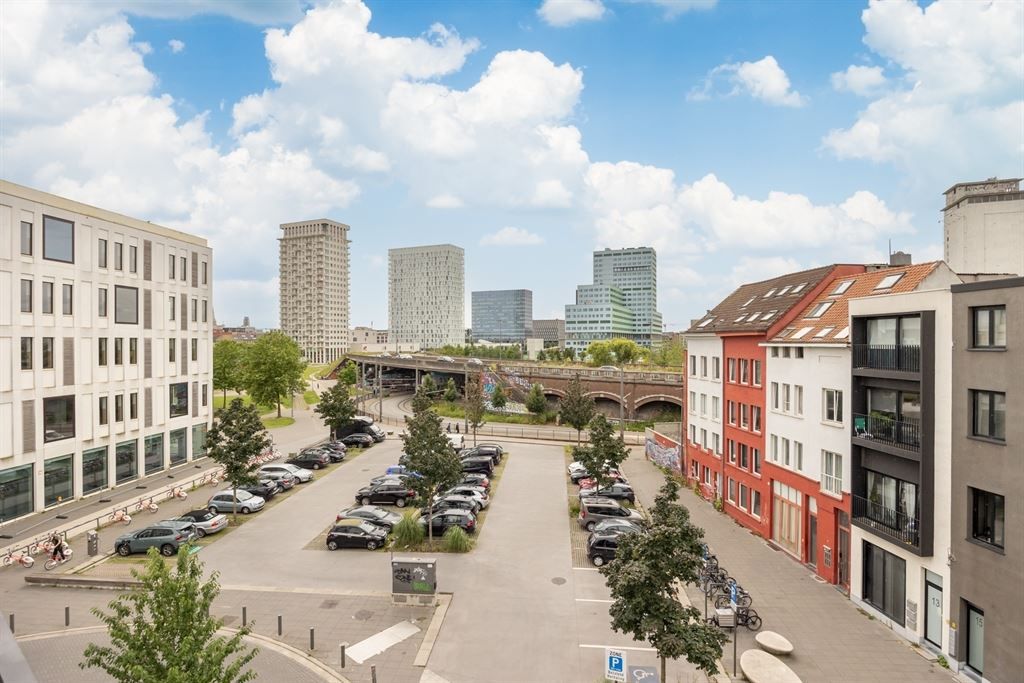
[987, 539]
[504, 315]
[551, 330]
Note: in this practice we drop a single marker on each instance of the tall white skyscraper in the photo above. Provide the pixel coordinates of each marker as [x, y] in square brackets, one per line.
[426, 295]
[314, 287]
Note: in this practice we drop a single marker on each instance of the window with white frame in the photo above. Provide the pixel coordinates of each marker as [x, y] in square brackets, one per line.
[693, 403]
[693, 365]
[732, 369]
[757, 373]
[755, 418]
[798, 455]
[798, 399]
[755, 502]
[755, 460]
[774, 394]
[775, 448]
[744, 371]
[832, 473]
[732, 490]
[832, 406]
[716, 442]
[731, 407]
[703, 366]
[716, 408]
[704, 438]
[693, 434]
[787, 398]
[703, 405]
[716, 368]
[732, 451]
[744, 416]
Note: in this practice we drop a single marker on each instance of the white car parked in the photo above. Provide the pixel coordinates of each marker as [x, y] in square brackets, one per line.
[303, 475]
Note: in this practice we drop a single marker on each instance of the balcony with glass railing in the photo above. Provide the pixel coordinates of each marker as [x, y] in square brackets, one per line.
[893, 357]
[904, 433]
[889, 523]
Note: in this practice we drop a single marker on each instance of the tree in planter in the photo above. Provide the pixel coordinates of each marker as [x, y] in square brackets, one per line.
[429, 453]
[274, 369]
[228, 367]
[646, 577]
[605, 451]
[234, 441]
[536, 402]
[162, 631]
[498, 398]
[451, 392]
[577, 409]
[336, 408]
[474, 403]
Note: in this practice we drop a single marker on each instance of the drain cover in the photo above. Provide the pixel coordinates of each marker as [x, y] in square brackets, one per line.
[362, 615]
[558, 580]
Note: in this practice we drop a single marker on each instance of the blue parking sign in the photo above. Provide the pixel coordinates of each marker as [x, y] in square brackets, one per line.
[615, 665]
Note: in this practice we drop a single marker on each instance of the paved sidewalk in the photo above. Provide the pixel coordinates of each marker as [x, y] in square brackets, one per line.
[834, 642]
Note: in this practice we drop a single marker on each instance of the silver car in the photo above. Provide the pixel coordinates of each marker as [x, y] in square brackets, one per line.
[206, 522]
[277, 469]
[245, 502]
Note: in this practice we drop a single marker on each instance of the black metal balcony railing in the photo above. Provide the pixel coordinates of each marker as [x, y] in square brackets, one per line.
[888, 521]
[905, 433]
[898, 357]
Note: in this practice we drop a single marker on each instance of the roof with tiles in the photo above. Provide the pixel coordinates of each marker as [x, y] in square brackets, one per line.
[757, 306]
[826, 320]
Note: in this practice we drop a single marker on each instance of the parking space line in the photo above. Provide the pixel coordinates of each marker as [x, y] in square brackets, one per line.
[586, 569]
[607, 602]
[620, 647]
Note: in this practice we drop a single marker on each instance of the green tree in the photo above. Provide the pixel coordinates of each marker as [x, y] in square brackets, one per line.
[429, 385]
[542, 356]
[274, 369]
[569, 354]
[577, 409]
[162, 631]
[498, 398]
[625, 351]
[645, 578]
[228, 367]
[536, 402]
[474, 403]
[336, 408]
[234, 441]
[599, 353]
[670, 354]
[348, 375]
[605, 451]
[428, 452]
[451, 392]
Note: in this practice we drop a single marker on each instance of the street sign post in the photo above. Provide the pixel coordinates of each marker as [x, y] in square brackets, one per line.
[735, 624]
[615, 665]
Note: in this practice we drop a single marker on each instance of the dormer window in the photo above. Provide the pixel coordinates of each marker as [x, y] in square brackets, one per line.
[889, 281]
[820, 309]
[749, 302]
[799, 288]
[783, 290]
[769, 315]
[740, 319]
[823, 332]
[753, 317]
[770, 292]
[842, 287]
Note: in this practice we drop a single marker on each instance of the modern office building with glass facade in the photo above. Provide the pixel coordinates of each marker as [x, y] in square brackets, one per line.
[106, 346]
[503, 315]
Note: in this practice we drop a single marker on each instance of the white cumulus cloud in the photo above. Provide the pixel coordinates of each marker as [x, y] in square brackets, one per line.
[511, 237]
[176, 45]
[763, 80]
[567, 12]
[860, 80]
[445, 201]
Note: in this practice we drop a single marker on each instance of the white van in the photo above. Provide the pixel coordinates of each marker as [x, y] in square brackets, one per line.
[458, 441]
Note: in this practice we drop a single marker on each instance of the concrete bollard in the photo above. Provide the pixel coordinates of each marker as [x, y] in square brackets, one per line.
[244, 620]
[67, 616]
[11, 619]
[343, 655]
[312, 642]
[279, 620]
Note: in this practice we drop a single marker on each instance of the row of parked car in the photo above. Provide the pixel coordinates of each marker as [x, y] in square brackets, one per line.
[367, 525]
[602, 512]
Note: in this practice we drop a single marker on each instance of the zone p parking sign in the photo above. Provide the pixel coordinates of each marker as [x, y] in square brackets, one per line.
[615, 665]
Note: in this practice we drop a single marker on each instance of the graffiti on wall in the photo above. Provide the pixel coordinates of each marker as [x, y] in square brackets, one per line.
[662, 450]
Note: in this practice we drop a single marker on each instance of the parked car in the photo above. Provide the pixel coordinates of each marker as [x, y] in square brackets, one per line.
[385, 492]
[458, 441]
[310, 460]
[167, 539]
[400, 469]
[404, 356]
[441, 521]
[446, 359]
[206, 522]
[455, 502]
[601, 548]
[595, 509]
[284, 480]
[617, 491]
[617, 525]
[482, 452]
[491, 444]
[476, 479]
[264, 488]
[278, 470]
[475, 361]
[608, 367]
[358, 440]
[393, 478]
[244, 502]
[372, 514]
[579, 475]
[477, 493]
[482, 464]
[356, 533]
[376, 432]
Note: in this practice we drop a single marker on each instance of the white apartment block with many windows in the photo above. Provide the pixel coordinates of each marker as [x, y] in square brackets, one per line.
[106, 330]
[427, 296]
[704, 404]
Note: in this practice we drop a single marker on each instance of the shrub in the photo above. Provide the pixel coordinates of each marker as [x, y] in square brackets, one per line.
[943, 662]
[409, 532]
[456, 540]
[719, 504]
[574, 507]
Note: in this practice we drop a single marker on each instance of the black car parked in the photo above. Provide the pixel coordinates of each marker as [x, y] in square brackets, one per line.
[264, 488]
[492, 450]
[601, 548]
[358, 440]
[310, 460]
[479, 463]
[385, 492]
[355, 533]
[334, 454]
[441, 521]
[617, 491]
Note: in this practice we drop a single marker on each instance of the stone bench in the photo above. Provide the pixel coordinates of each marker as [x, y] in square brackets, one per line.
[760, 667]
[772, 642]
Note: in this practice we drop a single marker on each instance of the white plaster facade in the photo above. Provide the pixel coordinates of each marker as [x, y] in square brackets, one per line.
[426, 295]
[133, 346]
[705, 406]
[984, 227]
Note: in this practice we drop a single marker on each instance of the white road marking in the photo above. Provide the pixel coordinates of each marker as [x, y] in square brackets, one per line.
[621, 647]
[586, 569]
[431, 677]
[607, 602]
[379, 642]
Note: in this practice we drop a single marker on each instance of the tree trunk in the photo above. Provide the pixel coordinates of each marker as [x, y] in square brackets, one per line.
[663, 669]
[279, 407]
[234, 504]
[578, 437]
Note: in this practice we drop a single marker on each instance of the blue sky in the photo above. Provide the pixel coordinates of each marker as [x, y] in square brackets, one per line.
[740, 139]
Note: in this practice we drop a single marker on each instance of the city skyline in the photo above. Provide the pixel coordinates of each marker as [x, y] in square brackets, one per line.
[738, 142]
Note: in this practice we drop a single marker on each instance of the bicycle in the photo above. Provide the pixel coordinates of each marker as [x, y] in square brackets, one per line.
[747, 616]
[146, 505]
[20, 557]
[51, 562]
[743, 599]
[177, 492]
[121, 516]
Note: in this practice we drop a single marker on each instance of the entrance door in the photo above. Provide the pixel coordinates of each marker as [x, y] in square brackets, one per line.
[844, 557]
[933, 613]
[812, 540]
[975, 639]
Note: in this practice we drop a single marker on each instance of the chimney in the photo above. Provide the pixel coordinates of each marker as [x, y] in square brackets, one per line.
[899, 258]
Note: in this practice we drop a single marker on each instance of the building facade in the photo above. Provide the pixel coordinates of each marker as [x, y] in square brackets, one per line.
[314, 287]
[901, 407]
[703, 445]
[622, 302]
[984, 227]
[987, 557]
[105, 349]
[551, 331]
[368, 335]
[426, 295]
[503, 316]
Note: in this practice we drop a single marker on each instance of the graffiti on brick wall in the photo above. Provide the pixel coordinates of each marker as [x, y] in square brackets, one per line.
[662, 450]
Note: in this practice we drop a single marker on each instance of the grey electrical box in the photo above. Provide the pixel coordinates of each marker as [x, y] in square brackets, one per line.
[92, 543]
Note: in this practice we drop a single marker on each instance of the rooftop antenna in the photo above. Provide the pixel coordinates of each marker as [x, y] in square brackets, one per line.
[890, 249]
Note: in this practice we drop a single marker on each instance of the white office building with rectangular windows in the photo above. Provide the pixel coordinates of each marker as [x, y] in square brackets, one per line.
[105, 349]
[427, 296]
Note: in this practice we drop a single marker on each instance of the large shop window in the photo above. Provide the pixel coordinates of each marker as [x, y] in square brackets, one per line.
[94, 470]
[885, 582]
[15, 492]
[127, 457]
[58, 239]
[154, 453]
[58, 418]
[198, 441]
[179, 399]
[58, 480]
[179, 446]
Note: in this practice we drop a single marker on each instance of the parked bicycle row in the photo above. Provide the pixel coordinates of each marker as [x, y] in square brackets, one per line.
[721, 589]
